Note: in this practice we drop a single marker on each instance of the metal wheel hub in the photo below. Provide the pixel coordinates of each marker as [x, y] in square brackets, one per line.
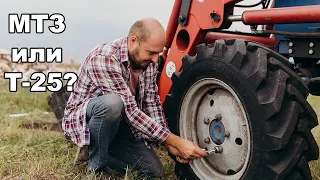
[217, 132]
[212, 115]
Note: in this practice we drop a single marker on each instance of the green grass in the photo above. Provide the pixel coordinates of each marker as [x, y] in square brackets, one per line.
[315, 165]
[43, 154]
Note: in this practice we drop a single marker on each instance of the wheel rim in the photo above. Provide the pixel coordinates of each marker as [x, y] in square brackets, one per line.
[210, 99]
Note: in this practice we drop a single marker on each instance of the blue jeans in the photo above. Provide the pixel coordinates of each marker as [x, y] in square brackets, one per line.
[112, 143]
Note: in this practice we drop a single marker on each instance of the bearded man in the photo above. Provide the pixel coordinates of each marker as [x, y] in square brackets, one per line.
[115, 110]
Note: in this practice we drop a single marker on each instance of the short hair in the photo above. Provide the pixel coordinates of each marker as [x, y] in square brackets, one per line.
[140, 30]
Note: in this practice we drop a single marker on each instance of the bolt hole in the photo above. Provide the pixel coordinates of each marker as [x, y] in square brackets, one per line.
[183, 40]
[231, 172]
[239, 141]
[211, 102]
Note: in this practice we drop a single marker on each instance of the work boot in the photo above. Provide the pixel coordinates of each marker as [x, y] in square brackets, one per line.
[82, 155]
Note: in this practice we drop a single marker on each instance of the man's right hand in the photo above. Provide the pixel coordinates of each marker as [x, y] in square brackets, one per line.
[187, 149]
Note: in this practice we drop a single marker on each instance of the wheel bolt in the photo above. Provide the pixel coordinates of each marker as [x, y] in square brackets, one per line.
[218, 117]
[311, 44]
[290, 44]
[227, 134]
[310, 51]
[290, 51]
[207, 140]
[218, 149]
[206, 121]
[182, 18]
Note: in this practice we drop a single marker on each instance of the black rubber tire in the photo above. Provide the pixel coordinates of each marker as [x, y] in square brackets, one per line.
[273, 96]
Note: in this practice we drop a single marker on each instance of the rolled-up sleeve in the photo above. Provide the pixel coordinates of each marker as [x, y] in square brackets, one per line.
[105, 73]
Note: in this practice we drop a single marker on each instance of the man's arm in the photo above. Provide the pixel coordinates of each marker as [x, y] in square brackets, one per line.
[106, 74]
[152, 104]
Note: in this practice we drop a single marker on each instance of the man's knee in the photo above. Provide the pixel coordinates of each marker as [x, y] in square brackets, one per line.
[110, 105]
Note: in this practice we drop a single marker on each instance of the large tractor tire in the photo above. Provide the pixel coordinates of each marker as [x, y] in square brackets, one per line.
[243, 97]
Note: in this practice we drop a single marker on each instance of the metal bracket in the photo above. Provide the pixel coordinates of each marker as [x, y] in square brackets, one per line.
[184, 12]
[304, 48]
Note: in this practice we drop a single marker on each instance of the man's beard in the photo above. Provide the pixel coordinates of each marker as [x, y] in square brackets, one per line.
[134, 59]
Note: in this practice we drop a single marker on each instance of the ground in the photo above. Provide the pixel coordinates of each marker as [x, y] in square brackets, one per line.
[35, 153]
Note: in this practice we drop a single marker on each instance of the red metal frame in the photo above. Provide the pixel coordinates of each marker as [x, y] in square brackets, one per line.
[211, 37]
[182, 40]
[175, 55]
[289, 15]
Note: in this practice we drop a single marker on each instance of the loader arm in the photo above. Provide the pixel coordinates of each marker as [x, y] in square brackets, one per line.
[191, 20]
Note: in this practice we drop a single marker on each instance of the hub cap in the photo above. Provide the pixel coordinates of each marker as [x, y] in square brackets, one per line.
[217, 132]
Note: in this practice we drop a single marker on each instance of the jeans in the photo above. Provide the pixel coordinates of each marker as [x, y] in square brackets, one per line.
[112, 143]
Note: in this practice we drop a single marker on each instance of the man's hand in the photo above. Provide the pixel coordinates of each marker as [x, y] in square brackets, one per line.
[183, 161]
[190, 150]
[173, 150]
[187, 149]
[176, 153]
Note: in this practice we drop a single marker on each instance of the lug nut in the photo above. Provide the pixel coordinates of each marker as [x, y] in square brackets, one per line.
[227, 134]
[207, 140]
[218, 117]
[218, 149]
[206, 121]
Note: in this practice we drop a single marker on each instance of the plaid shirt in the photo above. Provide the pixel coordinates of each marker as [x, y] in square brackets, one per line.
[106, 70]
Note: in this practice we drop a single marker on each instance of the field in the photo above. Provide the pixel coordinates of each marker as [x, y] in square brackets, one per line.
[36, 152]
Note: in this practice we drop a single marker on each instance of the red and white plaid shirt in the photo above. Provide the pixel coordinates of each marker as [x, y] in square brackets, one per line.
[105, 71]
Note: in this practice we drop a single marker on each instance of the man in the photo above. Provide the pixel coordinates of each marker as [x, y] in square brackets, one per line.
[115, 109]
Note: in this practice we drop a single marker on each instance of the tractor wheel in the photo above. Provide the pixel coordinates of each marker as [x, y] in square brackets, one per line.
[243, 97]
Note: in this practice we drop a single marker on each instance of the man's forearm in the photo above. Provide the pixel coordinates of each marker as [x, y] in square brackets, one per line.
[172, 140]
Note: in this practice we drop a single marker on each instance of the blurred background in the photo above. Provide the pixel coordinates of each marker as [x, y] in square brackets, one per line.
[88, 22]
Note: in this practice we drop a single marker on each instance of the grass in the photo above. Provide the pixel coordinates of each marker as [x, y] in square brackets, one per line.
[39, 153]
[315, 165]
[43, 154]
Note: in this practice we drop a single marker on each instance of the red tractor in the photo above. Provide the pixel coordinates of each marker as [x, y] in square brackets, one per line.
[244, 92]
[241, 95]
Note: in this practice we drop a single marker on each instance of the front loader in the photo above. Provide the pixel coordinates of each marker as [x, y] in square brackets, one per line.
[243, 92]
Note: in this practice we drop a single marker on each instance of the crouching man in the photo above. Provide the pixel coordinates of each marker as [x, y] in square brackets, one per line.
[115, 110]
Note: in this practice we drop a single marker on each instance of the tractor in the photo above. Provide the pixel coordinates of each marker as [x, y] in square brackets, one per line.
[244, 92]
[241, 93]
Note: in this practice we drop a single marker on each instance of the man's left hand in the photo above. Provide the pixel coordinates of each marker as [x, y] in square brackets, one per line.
[183, 161]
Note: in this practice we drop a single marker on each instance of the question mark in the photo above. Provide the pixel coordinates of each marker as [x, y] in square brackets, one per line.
[73, 78]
